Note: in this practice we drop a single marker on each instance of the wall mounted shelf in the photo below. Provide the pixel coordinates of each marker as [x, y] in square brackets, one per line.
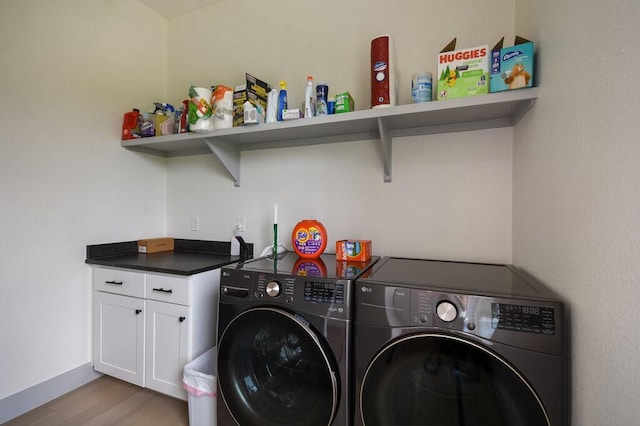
[494, 110]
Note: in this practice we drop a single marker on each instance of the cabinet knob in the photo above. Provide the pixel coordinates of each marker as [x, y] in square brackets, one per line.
[138, 311]
[181, 319]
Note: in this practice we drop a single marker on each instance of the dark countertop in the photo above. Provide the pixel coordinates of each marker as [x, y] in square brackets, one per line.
[189, 257]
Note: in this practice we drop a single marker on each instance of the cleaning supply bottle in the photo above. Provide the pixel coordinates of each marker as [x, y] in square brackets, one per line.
[131, 125]
[322, 93]
[309, 105]
[282, 99]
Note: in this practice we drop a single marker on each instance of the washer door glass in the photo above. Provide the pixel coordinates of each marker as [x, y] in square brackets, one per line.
[274, 370]
[444, 380]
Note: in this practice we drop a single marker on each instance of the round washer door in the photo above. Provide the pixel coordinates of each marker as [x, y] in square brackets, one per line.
[274, 370]
[445, 380]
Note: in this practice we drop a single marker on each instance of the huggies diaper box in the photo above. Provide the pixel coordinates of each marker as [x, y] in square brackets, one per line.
[512, 67]
[463, 72]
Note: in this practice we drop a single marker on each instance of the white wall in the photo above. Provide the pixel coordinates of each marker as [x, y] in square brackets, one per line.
[576, 201]
[451, 195]
[65, 182]
[70, 69]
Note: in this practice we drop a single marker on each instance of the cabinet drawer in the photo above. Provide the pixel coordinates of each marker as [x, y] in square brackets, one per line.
[166, 288]
[119, 281]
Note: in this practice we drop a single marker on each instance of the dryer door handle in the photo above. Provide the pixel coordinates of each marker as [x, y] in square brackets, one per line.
[235, 291]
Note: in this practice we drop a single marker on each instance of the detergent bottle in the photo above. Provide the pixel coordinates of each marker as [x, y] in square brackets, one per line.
[282, 99]
[131, 125]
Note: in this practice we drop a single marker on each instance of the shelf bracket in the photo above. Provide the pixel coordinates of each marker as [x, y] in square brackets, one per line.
[521, 110]
[385, 140]
[229, 156]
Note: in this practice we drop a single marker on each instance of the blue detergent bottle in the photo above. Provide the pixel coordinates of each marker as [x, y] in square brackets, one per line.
[282, 99]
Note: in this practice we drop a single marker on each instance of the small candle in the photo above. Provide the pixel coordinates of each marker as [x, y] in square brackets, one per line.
[275, 214]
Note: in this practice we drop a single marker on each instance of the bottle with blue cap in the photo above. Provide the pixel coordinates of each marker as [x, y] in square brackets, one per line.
[282, 99]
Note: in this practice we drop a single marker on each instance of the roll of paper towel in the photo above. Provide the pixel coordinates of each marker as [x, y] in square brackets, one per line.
[200, 104]
[222, 107]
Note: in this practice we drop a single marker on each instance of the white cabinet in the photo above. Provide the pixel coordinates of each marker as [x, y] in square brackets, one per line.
[148, 326]
[118, 336]
[168, 329]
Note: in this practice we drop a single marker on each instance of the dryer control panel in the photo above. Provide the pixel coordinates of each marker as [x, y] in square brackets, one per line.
[528, 319]
[528, 323]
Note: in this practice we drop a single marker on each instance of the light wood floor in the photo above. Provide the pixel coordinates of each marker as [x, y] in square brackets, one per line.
[108, 401]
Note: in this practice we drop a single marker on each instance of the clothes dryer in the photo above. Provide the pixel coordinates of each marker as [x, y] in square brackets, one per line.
[285, 331]
[451, 343]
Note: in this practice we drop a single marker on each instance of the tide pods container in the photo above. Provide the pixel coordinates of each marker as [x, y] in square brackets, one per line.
[309, 238]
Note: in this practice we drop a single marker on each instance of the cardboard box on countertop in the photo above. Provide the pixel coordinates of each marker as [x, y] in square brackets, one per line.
[462, 72]
[353, 250]
[512, 67]
[155, 245]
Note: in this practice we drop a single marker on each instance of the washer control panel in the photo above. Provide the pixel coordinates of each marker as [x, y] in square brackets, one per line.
[273, 289]
[324, 292]
[304, 294]
[270, 287]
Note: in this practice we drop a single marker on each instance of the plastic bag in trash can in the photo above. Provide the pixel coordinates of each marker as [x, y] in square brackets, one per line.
[199, 376]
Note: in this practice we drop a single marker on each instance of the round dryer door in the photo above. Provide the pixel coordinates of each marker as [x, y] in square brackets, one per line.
[274, 370]
[444, 380]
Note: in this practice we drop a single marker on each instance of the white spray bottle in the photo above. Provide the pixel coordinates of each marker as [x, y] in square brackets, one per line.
[309, 105]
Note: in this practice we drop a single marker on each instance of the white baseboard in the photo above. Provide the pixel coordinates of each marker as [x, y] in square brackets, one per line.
[33, 397]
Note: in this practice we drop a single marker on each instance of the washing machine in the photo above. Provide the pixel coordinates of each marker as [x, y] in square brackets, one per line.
[452, 343]
[285, 330]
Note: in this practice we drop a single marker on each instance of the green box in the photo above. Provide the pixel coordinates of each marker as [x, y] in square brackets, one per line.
[344, 103]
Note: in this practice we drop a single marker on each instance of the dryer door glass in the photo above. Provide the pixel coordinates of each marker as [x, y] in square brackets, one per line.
[445, 380]
[274, 370]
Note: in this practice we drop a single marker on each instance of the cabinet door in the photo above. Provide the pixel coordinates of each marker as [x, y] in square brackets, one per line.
[118, 336]
[167, 345]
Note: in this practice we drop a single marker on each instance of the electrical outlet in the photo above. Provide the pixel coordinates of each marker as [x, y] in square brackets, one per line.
[241, 223]
[195, 223]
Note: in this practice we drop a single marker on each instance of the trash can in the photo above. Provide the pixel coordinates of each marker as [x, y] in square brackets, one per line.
[199, 380]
